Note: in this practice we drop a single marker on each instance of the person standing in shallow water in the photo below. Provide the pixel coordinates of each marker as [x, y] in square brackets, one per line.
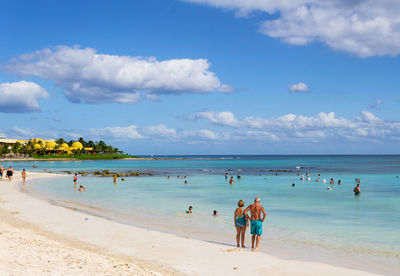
[256, 221]
[240, 220]
[75, 179]
[1, 171]
[357, 190]
[23, 175]
[10, 173]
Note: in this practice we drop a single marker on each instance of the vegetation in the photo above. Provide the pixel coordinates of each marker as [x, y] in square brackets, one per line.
[81, 156]
[86, 150]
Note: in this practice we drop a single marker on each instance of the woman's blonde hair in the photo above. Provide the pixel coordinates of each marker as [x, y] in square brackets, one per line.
[241, 203]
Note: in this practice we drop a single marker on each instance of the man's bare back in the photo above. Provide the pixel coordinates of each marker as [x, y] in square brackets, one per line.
[256, 221]
[255, 210]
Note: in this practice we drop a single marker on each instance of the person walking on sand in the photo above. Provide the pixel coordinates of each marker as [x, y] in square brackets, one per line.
[241, 221]
[1, 171]
[23, 174]
[256, 221]
[10, 173]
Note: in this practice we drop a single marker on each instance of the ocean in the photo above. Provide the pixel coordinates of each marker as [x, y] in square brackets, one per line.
[304, 222]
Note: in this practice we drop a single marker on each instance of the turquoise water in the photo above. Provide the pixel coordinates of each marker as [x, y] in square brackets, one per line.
[333, 226]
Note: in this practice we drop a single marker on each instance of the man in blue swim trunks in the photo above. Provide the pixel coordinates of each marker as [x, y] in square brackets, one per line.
[256, 221]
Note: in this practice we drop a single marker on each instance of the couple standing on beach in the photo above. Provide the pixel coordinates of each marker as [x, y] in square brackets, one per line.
[241, 220]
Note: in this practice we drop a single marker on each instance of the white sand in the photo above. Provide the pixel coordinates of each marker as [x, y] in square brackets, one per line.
[40, 238]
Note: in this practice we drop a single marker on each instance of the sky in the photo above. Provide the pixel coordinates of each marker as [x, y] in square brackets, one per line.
[204, 76]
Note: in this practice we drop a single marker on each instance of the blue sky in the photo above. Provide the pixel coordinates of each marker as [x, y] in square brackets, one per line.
[204, 76]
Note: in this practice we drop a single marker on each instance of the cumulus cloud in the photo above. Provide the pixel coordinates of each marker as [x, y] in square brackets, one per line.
[91, 77]
[222, 118]
[21, 97]
[319, 127]
[159, 131]
[156, 132]
[363, 27]
[129, 132]
[300, 87]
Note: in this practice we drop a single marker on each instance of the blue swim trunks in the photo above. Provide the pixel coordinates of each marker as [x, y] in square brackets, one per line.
[256, 227]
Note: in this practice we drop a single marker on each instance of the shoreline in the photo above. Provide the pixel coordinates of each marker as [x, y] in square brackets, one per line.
[158, 252]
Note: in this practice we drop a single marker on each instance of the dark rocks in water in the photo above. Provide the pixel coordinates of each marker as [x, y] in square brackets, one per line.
[108, 173]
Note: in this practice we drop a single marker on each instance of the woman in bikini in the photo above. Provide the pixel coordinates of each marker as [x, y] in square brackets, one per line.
[241, 221]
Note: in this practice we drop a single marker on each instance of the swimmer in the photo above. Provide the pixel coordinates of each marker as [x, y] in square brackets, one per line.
[231, 180]
[82, 188]
[317, 180]
[215, 213]
[357, 190]
[302, 177]
[308, 178]
[75, 179]
[239, 176]
[331, 182]
[324, 180]
[339, 182]
[123, 179]
[186, 182]
[226, 176]
[168, 177]
[329, 189]
[189, 211]
[115, 178]
[293, 185]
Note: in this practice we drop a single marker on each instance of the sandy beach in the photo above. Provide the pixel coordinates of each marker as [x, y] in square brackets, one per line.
[43, 239]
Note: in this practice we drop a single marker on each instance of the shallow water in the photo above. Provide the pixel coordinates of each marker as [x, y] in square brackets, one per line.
[331, 226]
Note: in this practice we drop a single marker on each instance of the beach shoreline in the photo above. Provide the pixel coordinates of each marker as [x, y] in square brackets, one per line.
[152, 251]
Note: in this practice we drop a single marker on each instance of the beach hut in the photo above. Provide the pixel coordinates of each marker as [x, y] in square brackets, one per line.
[76, 146]
[37, 147]
[50, 145]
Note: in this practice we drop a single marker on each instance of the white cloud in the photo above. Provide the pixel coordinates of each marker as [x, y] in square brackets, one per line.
[362, 27]
[20, 97]
[89, 76]
[226, 89]
[300, 87]
[222, 118]
[376, 105]
[199, 135]
[156, 132]
[159, 131]
[322, 126]
[129, 132]
[152, 97]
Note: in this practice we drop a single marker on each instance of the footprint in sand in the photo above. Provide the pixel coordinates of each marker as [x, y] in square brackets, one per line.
[233, 250]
